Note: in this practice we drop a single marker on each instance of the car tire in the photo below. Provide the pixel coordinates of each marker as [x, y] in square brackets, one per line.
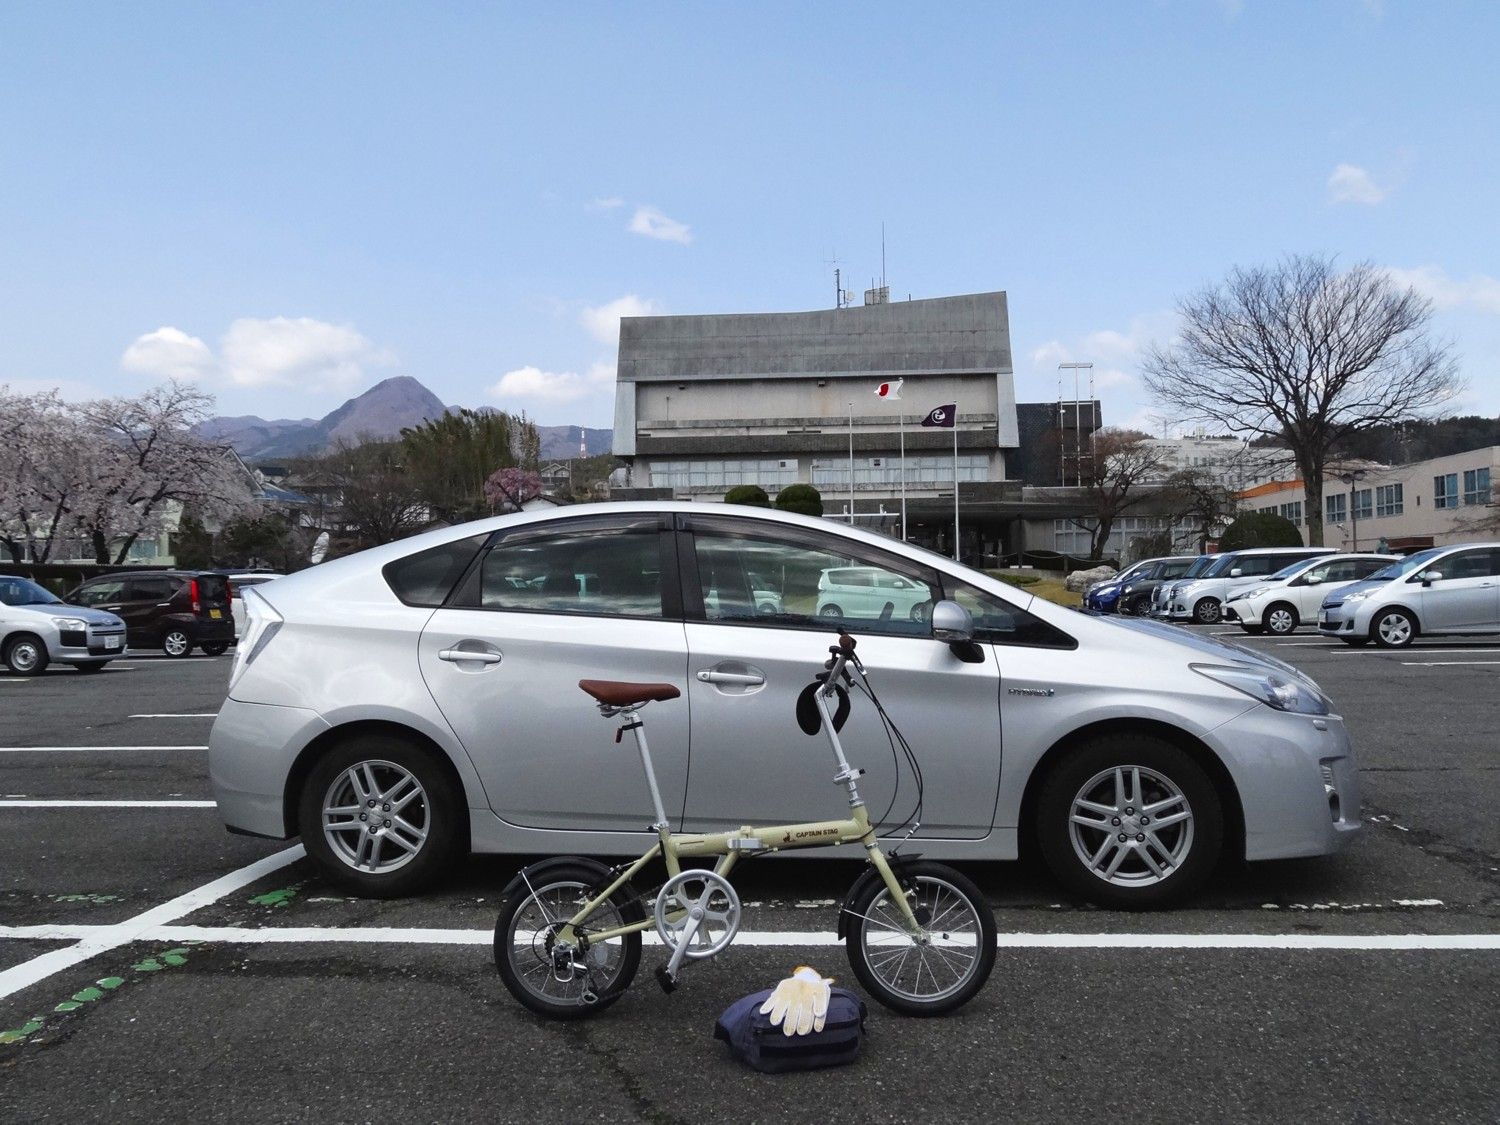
[215, 650]
[1253, 630]
[1208, 611]
[1281, 619]
[1393, 628]
[99, 667]
[1140, 605]
[431, 836]
[26, 655]
[1355, 642]
[1161, 771]
[176, 643]
[831, 610]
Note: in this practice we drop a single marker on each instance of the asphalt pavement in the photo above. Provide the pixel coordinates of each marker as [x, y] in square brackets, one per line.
[171, 970]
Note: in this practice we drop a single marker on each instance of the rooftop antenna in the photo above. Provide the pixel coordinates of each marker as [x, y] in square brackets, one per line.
[882, 253]
[840, 298]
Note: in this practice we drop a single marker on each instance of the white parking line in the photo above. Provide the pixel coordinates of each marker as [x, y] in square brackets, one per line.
[1444, 663]
[390, 935]
[164, 715]
[42, 804]
[105, 938]
[75, 749]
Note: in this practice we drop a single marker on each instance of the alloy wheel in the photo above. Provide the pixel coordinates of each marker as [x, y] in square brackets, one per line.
[175, 643]
[24, 656]
[1131, 826]
[1281, 620]
[376, 816]
[1394, 630]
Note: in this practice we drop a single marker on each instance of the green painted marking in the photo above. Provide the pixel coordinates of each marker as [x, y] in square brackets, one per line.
[110, 982]
[174, 958]
[149, 965]
[85, 995]
[68, 1006]
[280, 897]
[31, 1027]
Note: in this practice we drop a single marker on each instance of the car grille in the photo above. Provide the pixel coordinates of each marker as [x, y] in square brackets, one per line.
[73, 638]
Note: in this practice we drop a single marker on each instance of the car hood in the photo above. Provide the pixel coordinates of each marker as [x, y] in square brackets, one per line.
[77, 612]
[1198, 648]
[1349, 587]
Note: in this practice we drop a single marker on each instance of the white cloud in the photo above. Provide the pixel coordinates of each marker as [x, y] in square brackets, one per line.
[603, 321]
[169, 353]
[650, 221]
[1477, 291]
[608, 203]
[303, 351]
[553, 386]
[1350, 183]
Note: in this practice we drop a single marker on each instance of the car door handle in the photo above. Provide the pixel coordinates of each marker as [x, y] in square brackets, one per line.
[455, 655]
[743, 679]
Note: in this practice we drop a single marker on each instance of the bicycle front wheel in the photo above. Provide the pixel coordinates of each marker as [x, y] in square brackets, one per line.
[582, 979]
[937, 972]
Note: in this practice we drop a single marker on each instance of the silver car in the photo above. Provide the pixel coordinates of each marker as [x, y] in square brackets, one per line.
[1202, 599]
[38, 628]
[401, 706]
[1441, 590]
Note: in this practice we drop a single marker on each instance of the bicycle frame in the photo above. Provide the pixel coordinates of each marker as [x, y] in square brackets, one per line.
[747, 840]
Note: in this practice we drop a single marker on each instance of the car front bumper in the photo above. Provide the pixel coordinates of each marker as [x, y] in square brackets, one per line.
[1342, 621]
[1297, 782]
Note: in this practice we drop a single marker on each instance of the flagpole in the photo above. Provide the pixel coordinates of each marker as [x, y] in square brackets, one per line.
[851, 464]
[956, 557]
[901, 428]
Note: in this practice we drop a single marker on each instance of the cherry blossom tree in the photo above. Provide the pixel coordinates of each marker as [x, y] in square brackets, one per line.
[507, 489]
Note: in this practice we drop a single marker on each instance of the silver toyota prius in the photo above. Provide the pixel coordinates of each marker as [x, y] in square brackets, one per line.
[398, 707]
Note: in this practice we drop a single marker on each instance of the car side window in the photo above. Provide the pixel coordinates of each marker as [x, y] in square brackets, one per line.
[762, 578]
[997, 621]
[1467, 564]
[428, 577]
[1328, 572]
[1175, 570]
[593, 570]
[156, 589]
[1258, 565]
[99, 592]
[1363, 568]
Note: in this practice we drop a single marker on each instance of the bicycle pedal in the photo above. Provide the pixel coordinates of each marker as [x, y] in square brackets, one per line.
[664, 979]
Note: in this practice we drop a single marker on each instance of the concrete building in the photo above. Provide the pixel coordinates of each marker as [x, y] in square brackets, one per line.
[704, 403]
[1401, 507]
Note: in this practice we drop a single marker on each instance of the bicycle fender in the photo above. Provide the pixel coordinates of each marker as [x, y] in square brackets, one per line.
[535, 870]
[867, 876]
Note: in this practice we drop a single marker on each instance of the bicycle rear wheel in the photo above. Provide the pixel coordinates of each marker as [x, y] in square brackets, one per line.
[922, 977]
[591, 976]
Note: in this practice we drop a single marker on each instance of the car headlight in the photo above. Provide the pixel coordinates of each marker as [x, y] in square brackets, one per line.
[262, 622]
[1357, 595]
[70, 623]
[1272, 689]
[1255, 593]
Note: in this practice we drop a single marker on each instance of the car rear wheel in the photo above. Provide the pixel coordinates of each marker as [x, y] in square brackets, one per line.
[26, 655]
[1139, 606]
[831, 610]
[215, 650]
[1282, 619]
[1394, 628]
[380, 816]
[176, 643]
[1208, 611]
[1130, 821]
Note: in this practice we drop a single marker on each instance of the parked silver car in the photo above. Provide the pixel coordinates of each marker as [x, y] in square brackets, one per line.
[1452, 589]
[1291, 596]
[37, 628]
[1202, 599]
[417, 700]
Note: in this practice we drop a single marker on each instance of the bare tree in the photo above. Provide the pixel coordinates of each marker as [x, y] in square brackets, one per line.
[1201, 497]
[1306, 355]
[365, 491]
[1117, 478]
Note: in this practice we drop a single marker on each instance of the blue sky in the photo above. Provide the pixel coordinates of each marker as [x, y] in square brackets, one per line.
[291, 201]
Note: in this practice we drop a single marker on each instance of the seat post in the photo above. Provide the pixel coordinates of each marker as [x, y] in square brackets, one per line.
[637, 726]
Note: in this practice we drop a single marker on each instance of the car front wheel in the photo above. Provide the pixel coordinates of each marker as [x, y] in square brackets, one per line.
[380, 816]
[26, 655]
[1394, 628]
[1208, 611]
[1130, 821]
[1282, 619]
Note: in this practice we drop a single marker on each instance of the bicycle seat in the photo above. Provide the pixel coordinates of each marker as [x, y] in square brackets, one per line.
[614, 693]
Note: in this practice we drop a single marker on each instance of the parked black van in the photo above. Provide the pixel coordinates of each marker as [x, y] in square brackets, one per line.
[174, 610]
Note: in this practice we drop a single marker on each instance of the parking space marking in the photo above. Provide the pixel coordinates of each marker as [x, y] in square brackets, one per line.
[76, 749]
[390, 935]
[1444, 663]
[165, 715]
[106, 938]
[38, 804]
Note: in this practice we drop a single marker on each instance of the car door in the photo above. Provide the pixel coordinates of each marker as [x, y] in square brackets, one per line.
[545, 606]
[1465, 596]
[1307, 591]
[107, 594]
[751, 762]
[148, 598]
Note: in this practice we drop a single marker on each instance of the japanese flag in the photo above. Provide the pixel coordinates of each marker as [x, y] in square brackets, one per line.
[890, 390]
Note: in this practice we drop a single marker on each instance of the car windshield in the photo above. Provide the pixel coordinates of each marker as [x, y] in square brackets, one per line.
[1134, 570]
[1408, 565]
[1221, 565]
[1291, 569]
[21, 591]
[1200, 564]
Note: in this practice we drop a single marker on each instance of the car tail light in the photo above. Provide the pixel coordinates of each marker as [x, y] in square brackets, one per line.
[262, 623]
[193, 596]
[228, 591]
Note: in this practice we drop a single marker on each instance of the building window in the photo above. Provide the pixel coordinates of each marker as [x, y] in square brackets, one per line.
[1293, 512]
[884, 470]
[1445, 491]
[1388, 500]
[1337, 506]
[1477, 486]
[716, 476]
[1362, 508]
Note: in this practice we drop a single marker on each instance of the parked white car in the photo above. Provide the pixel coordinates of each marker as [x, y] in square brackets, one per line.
[867, 591]
[1440, 590]
[37, 627]
[1293, 594]
[1202, 600]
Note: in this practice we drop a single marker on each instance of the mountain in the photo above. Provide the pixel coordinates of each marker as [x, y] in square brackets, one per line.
[380, 412]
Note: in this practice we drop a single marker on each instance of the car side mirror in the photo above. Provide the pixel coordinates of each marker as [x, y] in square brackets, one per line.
[951, 623]
[1428, 577]
[1236, 572]
[1313, 580]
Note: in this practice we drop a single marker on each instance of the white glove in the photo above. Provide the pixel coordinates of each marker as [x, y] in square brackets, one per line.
[800, 1003]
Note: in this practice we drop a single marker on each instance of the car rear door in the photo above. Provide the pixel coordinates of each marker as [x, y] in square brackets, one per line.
[148, 598]
[546, 605]
[751, 762]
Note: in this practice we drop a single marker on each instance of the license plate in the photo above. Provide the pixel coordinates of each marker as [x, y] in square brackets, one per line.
[112, 642]
[216, 613]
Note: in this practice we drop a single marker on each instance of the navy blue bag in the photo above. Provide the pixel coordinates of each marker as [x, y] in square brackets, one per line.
[755, 1041]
